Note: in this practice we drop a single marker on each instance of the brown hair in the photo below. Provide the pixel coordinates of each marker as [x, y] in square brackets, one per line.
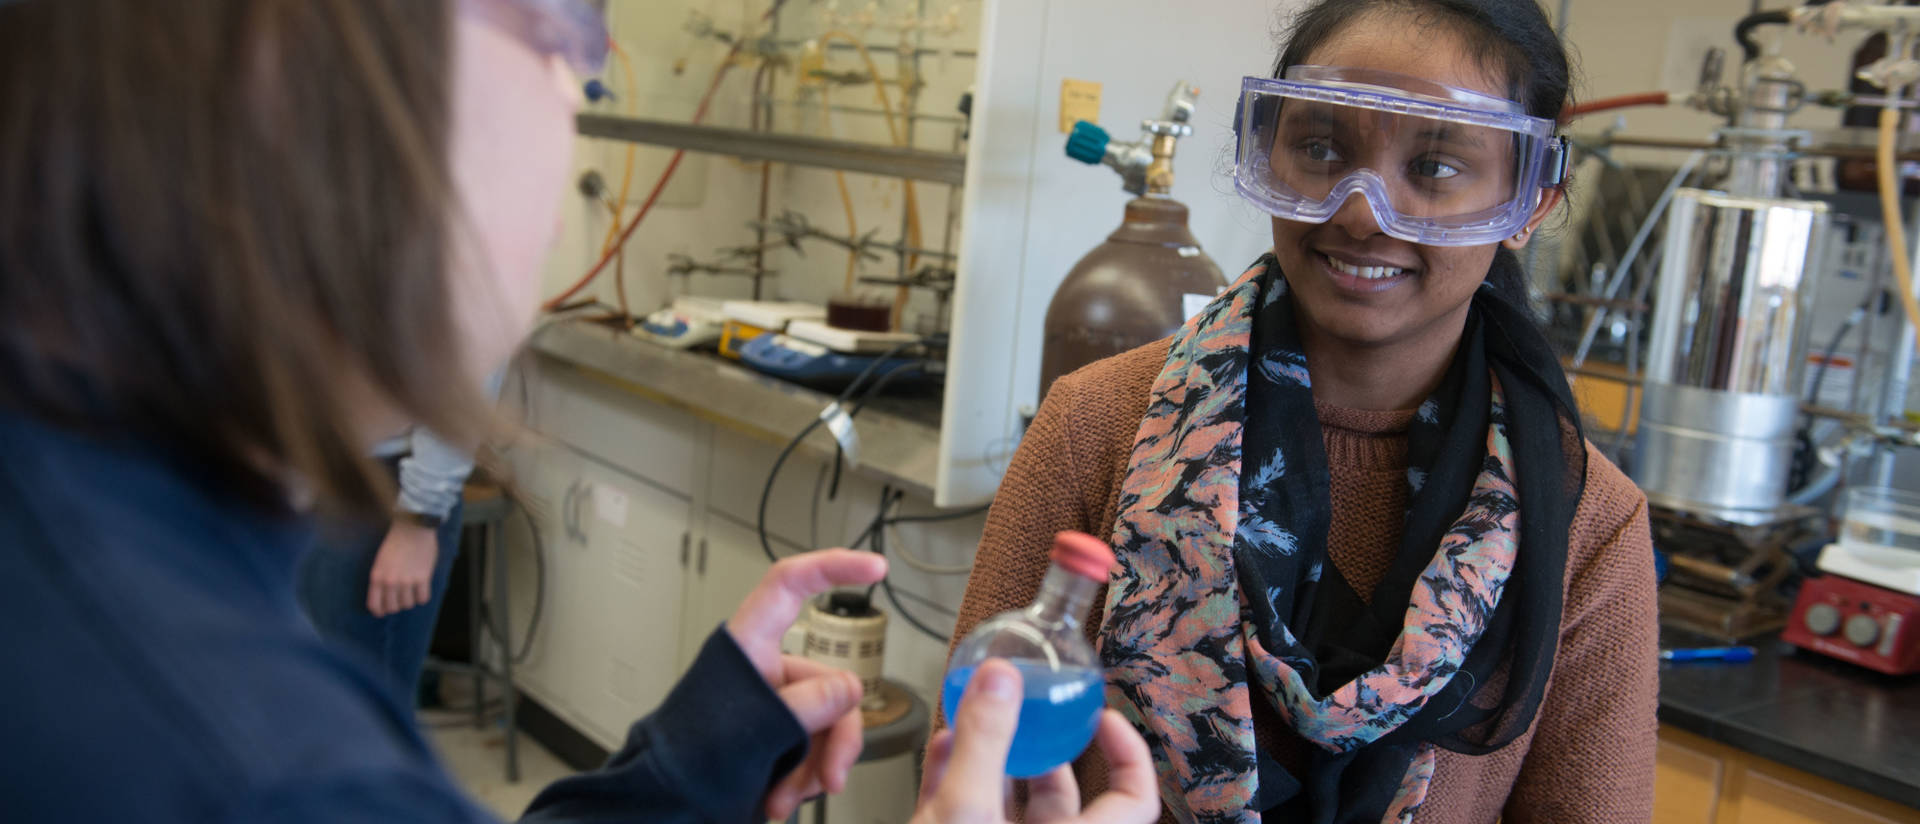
[212, 219]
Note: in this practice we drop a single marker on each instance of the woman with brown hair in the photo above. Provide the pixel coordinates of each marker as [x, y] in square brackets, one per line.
[240, 241]
[1369, 570]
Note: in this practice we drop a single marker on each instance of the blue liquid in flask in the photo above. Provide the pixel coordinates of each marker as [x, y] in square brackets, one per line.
[1059, 713]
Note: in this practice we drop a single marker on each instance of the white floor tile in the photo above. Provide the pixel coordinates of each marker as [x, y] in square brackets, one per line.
[478, 759]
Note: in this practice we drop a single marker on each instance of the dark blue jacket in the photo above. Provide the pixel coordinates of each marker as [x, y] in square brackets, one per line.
[158, 668]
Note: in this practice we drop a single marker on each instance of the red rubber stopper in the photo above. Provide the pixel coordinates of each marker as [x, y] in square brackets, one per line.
[1083, 555]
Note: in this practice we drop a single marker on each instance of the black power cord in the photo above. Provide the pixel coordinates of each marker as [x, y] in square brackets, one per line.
[498, 630]
[1743, 31]
[877, 531]
[1839, 337]
[858, 386]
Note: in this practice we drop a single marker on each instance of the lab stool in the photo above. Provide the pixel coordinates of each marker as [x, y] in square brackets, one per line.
[889, 733]
[486, 507]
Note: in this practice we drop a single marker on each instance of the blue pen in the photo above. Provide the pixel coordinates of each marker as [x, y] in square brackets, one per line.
[1729, 655]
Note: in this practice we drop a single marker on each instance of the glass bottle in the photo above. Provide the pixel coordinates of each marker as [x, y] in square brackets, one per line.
[1062, 680]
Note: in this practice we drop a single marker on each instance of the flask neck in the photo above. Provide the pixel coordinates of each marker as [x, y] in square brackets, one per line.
[1063, 600]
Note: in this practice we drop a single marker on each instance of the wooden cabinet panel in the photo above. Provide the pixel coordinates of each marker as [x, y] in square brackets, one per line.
[1770, 795]
[1697, 780]
[1687, 784]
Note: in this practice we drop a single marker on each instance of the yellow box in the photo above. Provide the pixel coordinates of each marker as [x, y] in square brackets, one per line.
[1604, 398]
[735, 334]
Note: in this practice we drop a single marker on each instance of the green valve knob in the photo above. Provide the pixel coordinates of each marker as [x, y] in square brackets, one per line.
[1088, 143]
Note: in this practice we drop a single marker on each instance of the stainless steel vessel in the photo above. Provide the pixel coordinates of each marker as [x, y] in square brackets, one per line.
[1723, 379]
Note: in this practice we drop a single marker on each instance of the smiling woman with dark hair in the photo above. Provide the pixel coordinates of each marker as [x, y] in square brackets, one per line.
[1369, 569]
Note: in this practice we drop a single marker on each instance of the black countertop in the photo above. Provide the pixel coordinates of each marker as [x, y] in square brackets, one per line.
[1846, 724]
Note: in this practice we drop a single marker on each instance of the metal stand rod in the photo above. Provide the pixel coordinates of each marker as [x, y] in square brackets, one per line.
[510, 695]
[1623, 270]
[475, 634]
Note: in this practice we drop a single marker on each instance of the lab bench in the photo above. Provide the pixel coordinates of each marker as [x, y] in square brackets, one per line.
[899, 438]
[1789, 737]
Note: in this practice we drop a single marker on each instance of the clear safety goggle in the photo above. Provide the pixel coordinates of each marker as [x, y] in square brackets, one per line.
[576, 30]
[1435, 164]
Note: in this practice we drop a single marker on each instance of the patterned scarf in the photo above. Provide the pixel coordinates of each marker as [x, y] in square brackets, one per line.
[1224, 589]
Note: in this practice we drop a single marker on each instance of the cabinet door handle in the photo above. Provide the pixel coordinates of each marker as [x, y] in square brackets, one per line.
[579, 525]
[703, 556]
[567, 511]
[686, 546]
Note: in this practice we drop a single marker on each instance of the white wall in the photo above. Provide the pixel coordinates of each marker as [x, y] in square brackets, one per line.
[1031, 212]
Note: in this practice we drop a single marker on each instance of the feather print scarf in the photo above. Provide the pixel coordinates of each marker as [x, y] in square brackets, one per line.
[1224, 594]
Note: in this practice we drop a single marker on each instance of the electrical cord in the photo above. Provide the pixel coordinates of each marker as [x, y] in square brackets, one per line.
[894, 598]
[928, 567]
[846, 395]
[929, 603]
[1806, 459]
[498, 630]
[1743, 31]
[813, 515]
[1833, 348]
[888, 498]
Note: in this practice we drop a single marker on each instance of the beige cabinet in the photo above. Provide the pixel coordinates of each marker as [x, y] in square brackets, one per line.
[1702, 782]
[1687, 782]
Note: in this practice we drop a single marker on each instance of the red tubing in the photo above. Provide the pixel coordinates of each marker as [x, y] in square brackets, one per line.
[1620, 102]
[666, 175]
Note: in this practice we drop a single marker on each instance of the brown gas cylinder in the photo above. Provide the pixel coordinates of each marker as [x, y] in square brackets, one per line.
[1129, 291]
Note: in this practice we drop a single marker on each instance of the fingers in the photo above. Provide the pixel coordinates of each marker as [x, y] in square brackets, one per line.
[820, 702]
[403, 598]
[773, 605]
[938, 751]
[826, 702]
[792, 791]
[1133, 794]
[1054, 797]
[842, 750]
[982, 734]
[384, 600]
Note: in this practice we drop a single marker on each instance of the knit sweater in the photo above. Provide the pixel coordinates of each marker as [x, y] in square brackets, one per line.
[1589, 756]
